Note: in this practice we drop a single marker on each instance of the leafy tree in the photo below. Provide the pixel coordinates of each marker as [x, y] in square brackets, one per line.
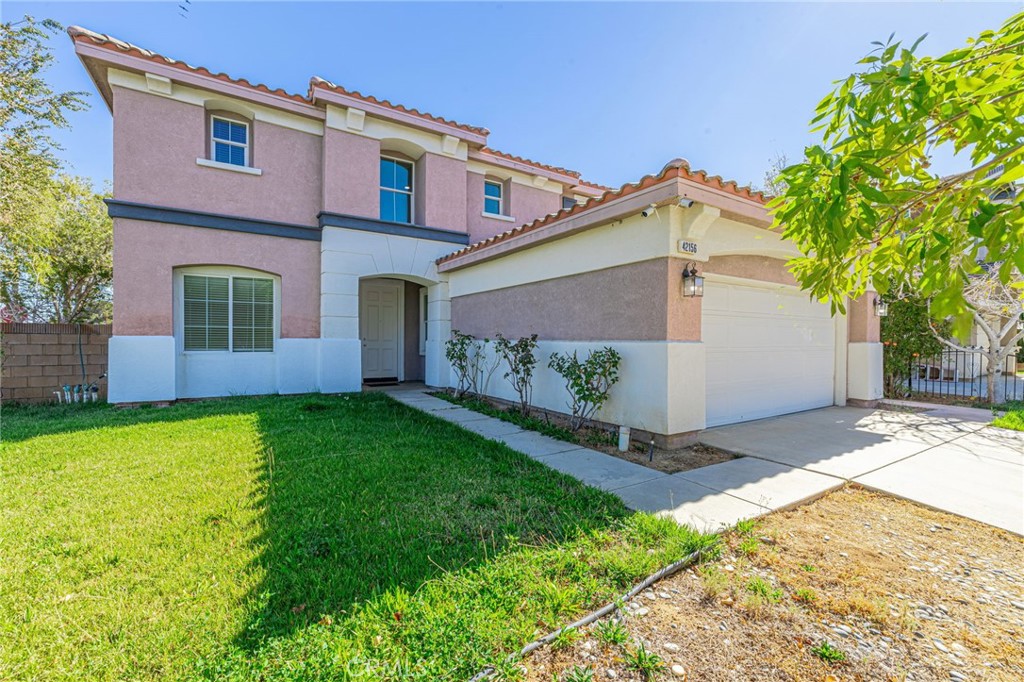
[29, 109]
[864, 206]
[56, 263]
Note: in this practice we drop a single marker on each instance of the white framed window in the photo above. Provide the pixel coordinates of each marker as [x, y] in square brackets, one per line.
[227, 312]
[493, 197]
[229, 141]
[396, 195]
[424, 299]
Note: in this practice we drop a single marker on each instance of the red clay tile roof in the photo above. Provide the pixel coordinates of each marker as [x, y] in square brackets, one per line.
[677, 168]
[530, 162]
[317, 81]
[594, 185]
[79, 34]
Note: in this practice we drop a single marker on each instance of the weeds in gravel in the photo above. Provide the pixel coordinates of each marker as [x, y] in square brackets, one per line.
[810, 568]
[566, 638]
[749, 545]
[645, 662]
[762, 588]
[713, 580]
[746, 526]
[828, 653]
[578, 673]
[805, 595]
[611, 632]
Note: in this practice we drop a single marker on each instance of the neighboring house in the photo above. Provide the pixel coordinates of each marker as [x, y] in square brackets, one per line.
[266, 242]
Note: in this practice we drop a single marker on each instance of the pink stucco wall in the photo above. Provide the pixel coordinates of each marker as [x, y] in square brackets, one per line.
[526, 204]
[351, 174]
[145, 255]
[157, 141]
[864, 325]
[523, 203]
[444, 191]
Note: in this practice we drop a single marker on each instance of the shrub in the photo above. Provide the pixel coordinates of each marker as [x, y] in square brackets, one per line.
[457, 352]
[521, 358]
[588, 382]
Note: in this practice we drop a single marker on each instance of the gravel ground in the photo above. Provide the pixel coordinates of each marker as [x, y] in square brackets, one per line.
[901, 591]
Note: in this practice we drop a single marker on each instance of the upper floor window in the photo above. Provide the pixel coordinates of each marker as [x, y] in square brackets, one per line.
[493, 197]
[229, 141]
[568, 202]
[395, 190]
[221, 313]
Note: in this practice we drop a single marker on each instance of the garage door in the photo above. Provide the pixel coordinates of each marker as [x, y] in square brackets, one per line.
[769, 351]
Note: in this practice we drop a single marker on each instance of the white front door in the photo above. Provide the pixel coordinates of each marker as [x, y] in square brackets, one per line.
[380, 303]
[769, 350]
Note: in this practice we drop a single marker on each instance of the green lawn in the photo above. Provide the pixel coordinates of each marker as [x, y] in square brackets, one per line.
[297, 538]
[1014, 417]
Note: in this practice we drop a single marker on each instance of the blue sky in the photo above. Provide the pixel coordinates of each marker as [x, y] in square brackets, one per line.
[613, 90]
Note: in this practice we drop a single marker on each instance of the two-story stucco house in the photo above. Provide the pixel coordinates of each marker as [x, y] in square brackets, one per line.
[267, 242]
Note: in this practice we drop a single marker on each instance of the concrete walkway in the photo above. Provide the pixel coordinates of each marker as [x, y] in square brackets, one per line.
[946, 458]
[709, 498]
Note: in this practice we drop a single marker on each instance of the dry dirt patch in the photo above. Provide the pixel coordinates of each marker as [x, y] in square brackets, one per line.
[905, 593]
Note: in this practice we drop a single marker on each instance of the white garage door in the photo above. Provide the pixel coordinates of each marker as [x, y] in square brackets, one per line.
[769, 351]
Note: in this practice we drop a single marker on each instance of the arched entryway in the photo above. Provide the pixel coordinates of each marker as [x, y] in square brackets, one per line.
[384, 309]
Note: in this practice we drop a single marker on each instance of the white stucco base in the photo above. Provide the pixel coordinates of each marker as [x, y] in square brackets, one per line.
[864, 371]
[298, 365]
[149, 369]
[661, 385]
[340, 365]
[140, 369]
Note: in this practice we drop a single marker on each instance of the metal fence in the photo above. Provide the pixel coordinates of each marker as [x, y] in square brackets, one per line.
[961, 374]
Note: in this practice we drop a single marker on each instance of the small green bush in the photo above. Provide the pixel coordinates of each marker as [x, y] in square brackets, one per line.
[588, 382]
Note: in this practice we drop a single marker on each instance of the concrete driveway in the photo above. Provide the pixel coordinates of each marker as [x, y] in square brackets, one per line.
[946, 458]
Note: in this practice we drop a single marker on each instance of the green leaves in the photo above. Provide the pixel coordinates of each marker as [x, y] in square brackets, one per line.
[865, 207]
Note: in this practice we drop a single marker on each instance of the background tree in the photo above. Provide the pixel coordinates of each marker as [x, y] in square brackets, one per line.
[57, 261]
[774, 184]
[29, 110]
[996, 308]
[907, 335]
[864, 206]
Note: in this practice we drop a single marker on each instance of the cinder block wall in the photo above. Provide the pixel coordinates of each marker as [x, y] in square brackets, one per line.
[40, 358]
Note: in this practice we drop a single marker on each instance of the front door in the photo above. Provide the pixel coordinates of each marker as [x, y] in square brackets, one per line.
[379, 328]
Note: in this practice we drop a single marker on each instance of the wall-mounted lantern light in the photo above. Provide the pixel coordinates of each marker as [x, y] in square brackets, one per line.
[693, 284]
[881, 307]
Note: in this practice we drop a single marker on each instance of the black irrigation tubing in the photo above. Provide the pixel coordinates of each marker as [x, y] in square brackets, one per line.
[685, 562]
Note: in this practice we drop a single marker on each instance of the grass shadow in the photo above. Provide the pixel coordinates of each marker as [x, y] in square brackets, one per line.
[365, 495]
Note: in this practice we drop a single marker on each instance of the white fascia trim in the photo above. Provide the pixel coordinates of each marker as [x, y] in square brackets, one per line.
[340, 118]
[495, 216]
[228, 167]
[486, 170]
[197, 97]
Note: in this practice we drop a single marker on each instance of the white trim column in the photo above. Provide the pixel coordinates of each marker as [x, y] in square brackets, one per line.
[439, 330]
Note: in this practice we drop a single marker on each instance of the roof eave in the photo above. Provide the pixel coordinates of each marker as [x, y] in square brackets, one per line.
[95, 57]
[621, 207]
[323, 93]
[523, 167]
